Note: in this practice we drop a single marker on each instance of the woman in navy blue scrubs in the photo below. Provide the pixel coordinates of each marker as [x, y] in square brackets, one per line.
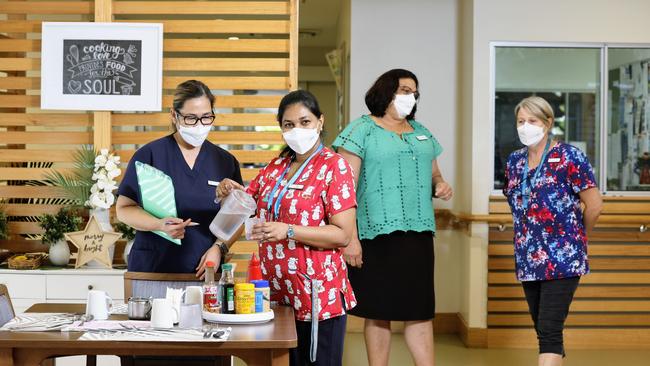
[194, 165]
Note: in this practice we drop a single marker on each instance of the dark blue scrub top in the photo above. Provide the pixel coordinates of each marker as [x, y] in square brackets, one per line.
[194, 199]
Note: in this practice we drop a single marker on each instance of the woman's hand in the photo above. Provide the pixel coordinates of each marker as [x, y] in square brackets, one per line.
[226, 186]
[211, 255]
[173, 226]
[443, 191]
[270, 231]
[353, 253]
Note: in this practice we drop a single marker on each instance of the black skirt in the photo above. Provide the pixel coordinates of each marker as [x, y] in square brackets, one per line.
[396, 279]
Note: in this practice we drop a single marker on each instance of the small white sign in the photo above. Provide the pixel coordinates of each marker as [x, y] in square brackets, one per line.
[101, 66]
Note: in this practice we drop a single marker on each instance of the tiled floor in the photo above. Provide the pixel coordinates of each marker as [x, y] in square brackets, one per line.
[451, 352]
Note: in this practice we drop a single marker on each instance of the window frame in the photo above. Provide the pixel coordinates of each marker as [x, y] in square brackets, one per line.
[602, 102]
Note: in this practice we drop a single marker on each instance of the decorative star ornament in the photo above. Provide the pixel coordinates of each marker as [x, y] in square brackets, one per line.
[93, 243]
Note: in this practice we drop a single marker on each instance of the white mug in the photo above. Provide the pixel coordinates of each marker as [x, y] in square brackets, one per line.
[98, 304]
[191, 316]
[194, 295]
[163, 314]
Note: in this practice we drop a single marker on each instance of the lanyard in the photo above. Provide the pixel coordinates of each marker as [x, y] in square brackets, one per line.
[525, 189]
[276, 203]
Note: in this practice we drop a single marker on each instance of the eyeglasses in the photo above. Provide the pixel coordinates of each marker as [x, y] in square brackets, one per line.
[192, 120]
[407, 90]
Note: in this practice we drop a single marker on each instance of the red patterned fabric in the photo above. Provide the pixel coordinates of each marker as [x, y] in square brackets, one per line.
[327, 189]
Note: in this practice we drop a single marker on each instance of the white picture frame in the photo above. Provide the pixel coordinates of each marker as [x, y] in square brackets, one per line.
[101, 66]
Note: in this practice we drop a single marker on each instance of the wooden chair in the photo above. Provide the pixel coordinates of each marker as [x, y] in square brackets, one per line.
[7, 313]
[146, 284]
[6, 308]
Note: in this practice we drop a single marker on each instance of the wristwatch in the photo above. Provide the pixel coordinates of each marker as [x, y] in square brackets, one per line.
[290, 233]
[223, 248]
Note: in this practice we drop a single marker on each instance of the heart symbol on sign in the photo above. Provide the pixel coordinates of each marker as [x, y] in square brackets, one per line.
[74, 86]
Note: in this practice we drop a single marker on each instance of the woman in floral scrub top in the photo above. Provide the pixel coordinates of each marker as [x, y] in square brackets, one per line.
[546, 183]
[307, 198]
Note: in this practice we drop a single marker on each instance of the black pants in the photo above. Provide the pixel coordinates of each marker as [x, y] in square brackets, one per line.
[548, 303]
[331, 334]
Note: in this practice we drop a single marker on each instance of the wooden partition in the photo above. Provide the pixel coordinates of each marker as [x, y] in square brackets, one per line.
[612, 304]
[246, 51]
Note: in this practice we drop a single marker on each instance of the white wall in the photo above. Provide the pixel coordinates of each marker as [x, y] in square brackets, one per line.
[623, 21]
[447, 44]
[485, 21]
[418, 35]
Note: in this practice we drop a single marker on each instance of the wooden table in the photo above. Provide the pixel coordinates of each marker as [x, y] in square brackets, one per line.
[258, 344]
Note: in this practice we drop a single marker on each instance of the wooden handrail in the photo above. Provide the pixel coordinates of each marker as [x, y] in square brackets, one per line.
[507, 219]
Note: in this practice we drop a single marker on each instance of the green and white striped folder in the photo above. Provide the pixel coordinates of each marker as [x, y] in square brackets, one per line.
[157, 192]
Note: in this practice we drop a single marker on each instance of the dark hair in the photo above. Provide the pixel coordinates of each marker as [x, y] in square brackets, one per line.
[190, 89]
[303, 97]
[382, 92]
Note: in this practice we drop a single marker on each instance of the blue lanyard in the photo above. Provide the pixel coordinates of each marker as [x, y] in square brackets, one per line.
[269, 198]
[525, 189]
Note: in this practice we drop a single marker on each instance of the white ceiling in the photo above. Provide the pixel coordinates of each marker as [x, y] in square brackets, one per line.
[322, 17]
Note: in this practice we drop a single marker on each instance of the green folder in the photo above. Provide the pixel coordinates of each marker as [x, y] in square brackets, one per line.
[157, 192]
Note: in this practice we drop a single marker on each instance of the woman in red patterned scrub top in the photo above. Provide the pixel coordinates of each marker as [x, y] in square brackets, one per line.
[306, 197]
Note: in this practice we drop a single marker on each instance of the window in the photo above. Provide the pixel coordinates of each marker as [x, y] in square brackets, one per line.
[570, 78]
[628, 121]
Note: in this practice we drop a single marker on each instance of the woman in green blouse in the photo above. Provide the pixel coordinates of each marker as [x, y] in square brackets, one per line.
[397, 174]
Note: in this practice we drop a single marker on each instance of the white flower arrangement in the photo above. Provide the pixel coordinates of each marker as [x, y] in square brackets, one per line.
[104, 174]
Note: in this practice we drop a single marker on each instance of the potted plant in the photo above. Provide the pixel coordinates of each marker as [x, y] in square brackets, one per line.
[4, 226]
[128, 233]
[55, 226]
[76, 185]
[91, 184]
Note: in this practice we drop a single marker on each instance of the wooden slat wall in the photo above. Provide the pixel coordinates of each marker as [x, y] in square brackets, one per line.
[248, 75]
[615, 295]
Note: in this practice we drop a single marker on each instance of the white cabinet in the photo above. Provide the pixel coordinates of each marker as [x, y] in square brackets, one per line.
[25, 289]
[64, 287]
[30, 287]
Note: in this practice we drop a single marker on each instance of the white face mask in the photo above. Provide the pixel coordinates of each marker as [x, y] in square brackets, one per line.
[530, 134]
[194, 135]
[301, 140]
[404, 104]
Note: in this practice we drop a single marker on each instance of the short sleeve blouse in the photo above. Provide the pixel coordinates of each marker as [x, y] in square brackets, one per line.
[323, 189]
[394, 192]
[550, 240]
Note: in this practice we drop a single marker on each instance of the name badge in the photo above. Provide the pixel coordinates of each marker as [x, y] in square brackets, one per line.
[554, 160]
[213, 183]
[296, 186]
[421, 138]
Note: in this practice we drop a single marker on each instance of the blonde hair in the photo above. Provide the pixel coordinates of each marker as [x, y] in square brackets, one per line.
[538, 107]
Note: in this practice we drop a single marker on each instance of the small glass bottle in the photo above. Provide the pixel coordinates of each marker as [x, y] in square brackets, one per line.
[227, 286]
[211, 301]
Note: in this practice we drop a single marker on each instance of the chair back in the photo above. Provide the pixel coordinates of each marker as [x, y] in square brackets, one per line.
[148, 284]
[6, 309]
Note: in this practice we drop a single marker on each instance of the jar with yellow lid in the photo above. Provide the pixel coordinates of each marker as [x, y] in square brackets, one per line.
[244, 298]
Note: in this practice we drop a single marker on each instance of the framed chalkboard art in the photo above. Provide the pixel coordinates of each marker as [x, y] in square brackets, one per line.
[101, 66]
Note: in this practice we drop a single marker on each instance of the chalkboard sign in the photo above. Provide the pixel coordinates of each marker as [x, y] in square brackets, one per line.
[102, 67]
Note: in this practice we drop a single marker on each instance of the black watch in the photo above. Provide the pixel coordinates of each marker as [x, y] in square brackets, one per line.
[223, 248]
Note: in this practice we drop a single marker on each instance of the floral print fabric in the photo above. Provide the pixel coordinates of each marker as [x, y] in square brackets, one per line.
[550, 240]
